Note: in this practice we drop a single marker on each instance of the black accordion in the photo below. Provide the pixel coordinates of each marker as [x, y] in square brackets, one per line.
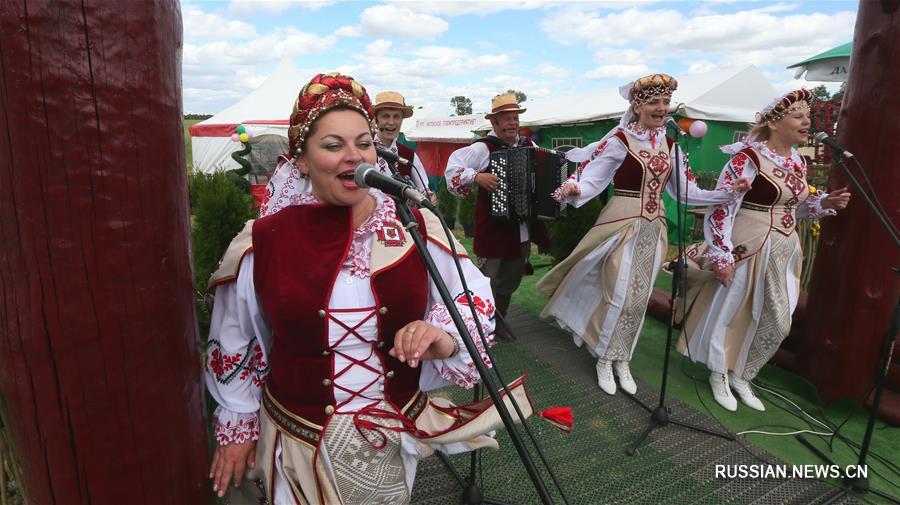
[528, 175]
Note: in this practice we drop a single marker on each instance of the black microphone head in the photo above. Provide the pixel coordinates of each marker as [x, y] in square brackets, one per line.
[820, 136]
[359, 176]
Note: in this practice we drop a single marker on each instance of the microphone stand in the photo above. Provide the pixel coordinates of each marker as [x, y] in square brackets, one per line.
[659, 416]
[471, 491]
[858, 483]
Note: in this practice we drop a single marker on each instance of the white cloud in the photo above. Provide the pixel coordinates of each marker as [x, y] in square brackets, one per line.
[378, 49]
[757, 36]
[199, 25]
[281, 43]
[551, 70]
[252, 7]
[617, 71]
[487, 7]
[381, 20]
[349, 31]
[440, 52]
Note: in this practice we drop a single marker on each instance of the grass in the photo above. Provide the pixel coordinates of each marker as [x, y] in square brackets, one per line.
[687, 382]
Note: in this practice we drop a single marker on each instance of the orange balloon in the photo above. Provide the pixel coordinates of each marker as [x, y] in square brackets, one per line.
[685, 123]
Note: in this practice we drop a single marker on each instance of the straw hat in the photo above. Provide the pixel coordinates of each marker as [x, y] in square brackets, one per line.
[392, 100]
[504, 103]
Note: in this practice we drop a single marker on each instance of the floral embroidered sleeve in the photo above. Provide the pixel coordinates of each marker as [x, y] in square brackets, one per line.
[458, 369]
[811, 208]
[462, 167]
[237, 358]
[691, 194]
[597, 165]
[720, 218]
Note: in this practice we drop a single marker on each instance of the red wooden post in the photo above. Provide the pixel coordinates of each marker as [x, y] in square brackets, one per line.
[853, 290]
[99, 360]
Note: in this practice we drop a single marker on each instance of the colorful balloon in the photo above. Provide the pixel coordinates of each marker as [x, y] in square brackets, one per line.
[697, 129]
[685, 123]
[235, 137]
[244, 137]
[240, 129]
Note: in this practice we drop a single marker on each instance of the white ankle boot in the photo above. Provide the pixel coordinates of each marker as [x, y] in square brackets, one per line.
[605, 376]
[745, 392]
[626, 382]
[721, 392]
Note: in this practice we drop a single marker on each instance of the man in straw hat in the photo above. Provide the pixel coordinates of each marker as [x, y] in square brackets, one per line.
[390, 111]
[502, 246]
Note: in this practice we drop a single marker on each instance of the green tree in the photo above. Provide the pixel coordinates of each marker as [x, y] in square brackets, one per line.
[462, 105]
[219, 210]
[820, 92]
[520, 95]
[466, 213]
[447, 204]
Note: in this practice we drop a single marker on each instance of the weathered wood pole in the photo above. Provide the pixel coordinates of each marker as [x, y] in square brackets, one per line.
[99, 358]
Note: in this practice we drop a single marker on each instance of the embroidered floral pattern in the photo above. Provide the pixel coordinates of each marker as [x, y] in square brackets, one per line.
[237, 432]
[639, 132]
[248, 364]
[814, 209]
[457, 186]
[440, 317]
[360, 252]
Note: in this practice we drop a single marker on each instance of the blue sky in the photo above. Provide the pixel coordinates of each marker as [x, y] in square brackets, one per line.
[431, 51]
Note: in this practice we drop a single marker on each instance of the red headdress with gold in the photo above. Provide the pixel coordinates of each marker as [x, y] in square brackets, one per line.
[321, 94]
[783, 105]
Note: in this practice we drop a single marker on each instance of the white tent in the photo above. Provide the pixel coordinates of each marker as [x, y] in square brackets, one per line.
[264, 112]
[723, 95]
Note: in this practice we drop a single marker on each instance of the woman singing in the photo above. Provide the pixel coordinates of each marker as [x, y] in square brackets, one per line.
[600, 292]
[326, 327]
[739, 316]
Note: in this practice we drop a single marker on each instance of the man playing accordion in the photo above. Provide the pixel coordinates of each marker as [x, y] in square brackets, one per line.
[502, 246]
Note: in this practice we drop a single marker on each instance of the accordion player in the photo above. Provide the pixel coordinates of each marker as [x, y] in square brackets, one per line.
[528, 176]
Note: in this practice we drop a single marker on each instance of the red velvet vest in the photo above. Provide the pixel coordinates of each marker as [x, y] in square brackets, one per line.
[408, 153]
[499, 238]
[763, 191]
[298, 254]
[645, 179]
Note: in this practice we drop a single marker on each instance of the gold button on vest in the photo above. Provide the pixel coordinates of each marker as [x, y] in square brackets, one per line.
[322, 313]
[382, 310]
[326, 382]
[329, 409]
[390, 374]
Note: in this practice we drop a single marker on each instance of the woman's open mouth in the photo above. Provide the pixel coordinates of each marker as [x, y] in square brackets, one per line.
[347, 180]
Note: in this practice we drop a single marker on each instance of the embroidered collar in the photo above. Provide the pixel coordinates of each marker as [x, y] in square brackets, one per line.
[392, 146]
[793, 162]
[640, 132]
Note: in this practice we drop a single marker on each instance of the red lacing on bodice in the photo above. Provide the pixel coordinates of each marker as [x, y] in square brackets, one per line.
[372, 409]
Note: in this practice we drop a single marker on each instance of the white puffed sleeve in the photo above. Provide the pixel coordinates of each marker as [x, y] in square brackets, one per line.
[237, 360]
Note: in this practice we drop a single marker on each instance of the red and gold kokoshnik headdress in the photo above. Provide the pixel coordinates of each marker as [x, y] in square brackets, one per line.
[651, 87]
[784, 105]
[322, 93]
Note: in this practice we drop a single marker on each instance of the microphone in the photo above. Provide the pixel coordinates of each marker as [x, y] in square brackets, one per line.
[830, 142]
[674, 126]
[367, 175]
[389, 156]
